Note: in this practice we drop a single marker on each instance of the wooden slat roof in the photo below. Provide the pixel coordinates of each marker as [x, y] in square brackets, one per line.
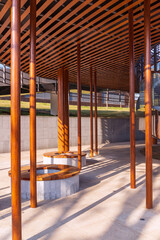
[101, 26]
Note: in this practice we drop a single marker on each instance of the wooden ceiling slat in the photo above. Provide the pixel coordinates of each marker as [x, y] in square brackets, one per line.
[83, 62]
[40, 56]
[96, 42]
[5, 9]
[82, 34]
[47, 15]
[3, 27]
[67, 25]
[109, 40]
[47, 57]
[39, 38]
[97, 58]
[96, 61]
[26, 24]
[7, 22]
[101, 27]
[48, 49]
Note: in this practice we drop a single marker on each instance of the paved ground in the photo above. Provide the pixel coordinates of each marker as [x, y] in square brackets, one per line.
[104, 208]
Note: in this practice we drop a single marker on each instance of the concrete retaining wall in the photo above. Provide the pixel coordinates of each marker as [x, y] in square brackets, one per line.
[118, 130]
[141, 124]
[109, 130]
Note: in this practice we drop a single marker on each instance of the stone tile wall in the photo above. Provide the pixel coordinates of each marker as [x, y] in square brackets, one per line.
[109, 130]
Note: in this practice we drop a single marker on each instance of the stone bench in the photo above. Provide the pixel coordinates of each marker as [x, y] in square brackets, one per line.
[53, 181]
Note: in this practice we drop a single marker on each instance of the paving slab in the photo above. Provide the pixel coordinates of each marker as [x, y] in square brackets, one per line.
[105, 208]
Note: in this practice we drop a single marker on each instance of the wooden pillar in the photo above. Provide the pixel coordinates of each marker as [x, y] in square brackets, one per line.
[95, 100]
[63, 111]
[33, 188]
[61, 132]
[15, 121]
[79, 102]
[91, 111]
[66, 111]
[157, 123]
[132, 101]
[148, 104]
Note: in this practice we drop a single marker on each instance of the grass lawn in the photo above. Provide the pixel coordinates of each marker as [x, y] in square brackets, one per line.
[24, 105]
[44, 110]
[101, 111]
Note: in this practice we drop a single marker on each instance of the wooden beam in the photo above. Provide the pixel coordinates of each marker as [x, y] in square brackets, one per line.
[91, 111]
[148, 104]
[95, 111]
[15, 121]
[132, 101]
[66, 110]
[33, 187]
[61, 131]
[106, 43]
[79, 103]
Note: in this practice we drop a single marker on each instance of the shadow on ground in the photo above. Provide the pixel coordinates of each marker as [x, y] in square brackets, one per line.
[98, 170]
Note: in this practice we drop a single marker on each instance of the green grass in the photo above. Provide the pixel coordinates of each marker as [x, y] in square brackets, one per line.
[41, 108]
[140, 112]
[44, 110]
[83, 91]
[24, 105]
[9, 95]
[101, 111]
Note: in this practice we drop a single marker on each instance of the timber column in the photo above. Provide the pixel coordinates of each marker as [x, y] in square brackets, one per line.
[66, 111]
[148, 104]
[79, 102]
[15, 121]
[132, 102]
[95, 104]
[91, 111]
[63, 111]
[33, 186]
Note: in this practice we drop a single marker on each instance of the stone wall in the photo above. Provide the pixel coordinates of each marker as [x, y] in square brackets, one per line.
[109, 130]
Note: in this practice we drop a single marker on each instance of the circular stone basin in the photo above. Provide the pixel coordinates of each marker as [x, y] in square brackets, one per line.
[65, 158]
[53, 181]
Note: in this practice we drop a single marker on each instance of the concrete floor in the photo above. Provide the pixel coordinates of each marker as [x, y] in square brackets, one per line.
[104, 208]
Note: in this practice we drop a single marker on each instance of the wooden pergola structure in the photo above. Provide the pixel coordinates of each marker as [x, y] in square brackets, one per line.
[81, 41]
